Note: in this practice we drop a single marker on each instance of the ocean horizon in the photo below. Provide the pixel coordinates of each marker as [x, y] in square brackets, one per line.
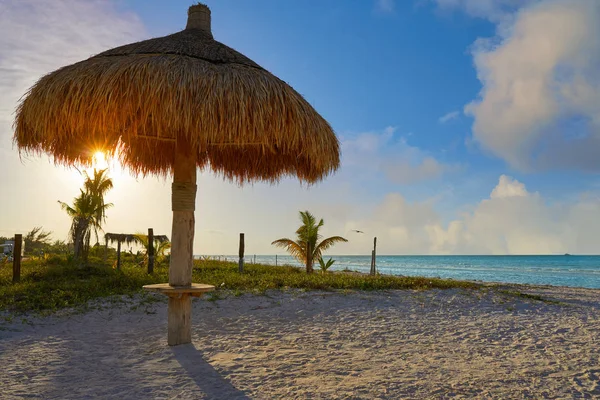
[556, 270]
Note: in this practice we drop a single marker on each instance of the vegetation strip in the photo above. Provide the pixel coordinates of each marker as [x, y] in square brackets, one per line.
[55, 283]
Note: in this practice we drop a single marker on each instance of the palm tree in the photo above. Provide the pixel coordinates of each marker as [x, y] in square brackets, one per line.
[307, 247]
[88, 211]
[97, 186]
[325, 265]
[161, 245]
[87, 214]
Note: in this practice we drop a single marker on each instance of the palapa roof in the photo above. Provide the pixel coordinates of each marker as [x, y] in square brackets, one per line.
[129, 238]
[137, 100]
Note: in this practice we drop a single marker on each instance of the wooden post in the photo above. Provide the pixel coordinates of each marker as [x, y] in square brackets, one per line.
[254, 262]
[105, 256]
[372, 271]
[375, 254]
[373, 257]
[241, 254]
[182, 245]
[119, 254]
[150, 250]
[17, 258]
[275, 259]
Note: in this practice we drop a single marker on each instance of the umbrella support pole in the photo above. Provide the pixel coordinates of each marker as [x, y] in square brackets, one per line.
[180, 288]
[180, 320]
[183, 198]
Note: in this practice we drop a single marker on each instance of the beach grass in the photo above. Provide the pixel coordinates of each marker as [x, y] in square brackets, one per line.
[49, 285]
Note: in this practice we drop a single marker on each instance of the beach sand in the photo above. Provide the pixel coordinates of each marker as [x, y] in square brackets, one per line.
[392, 344]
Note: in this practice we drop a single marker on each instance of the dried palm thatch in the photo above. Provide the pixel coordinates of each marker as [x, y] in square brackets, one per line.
[135, 101]
[129, 238]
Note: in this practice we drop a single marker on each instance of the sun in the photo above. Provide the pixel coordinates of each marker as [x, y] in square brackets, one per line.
[99, 160]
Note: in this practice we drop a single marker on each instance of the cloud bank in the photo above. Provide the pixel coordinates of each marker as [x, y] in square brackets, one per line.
[389, 154]
[511, 221]
[539, 106]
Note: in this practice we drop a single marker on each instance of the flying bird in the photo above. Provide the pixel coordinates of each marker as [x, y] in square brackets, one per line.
[357, 231]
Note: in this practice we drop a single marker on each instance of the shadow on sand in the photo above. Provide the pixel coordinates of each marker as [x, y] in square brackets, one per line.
[208, 380]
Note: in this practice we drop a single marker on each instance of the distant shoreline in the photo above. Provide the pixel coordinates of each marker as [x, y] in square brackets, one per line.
[554, 270]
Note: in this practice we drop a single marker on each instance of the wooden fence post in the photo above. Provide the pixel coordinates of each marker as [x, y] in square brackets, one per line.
[275, 259]
[374, 257]
[254, 262]
[105, 256]
[241, 254]
[17, 257]
[119, 254]
[150, 250]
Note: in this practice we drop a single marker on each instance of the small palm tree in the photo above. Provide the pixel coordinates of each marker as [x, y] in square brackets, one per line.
[161, 245]
[325, 265]
[307, 247]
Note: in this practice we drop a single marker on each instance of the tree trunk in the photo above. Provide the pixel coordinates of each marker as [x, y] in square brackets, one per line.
[181, 264]
[309, 260]
[86, 246]
[79, 238]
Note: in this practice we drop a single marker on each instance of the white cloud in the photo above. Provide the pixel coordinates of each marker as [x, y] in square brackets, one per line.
[400, 162]
[539, 106]
[386, 6]
[449, 117]
[405, 172]
[511, 221]
[508, 187]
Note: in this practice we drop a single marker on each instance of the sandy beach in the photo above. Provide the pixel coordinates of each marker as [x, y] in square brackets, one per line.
[384, 345]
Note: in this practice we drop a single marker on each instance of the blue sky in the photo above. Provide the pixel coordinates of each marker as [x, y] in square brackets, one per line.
[467, 126]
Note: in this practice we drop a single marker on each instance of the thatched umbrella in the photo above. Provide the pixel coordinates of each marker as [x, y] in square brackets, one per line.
[168, 106]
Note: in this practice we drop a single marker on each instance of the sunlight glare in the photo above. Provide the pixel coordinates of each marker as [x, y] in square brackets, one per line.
[99, 160]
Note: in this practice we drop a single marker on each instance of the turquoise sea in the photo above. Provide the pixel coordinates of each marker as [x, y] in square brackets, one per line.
[559, 270]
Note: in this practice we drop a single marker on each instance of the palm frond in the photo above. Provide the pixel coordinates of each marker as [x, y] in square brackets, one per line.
[329, 242]
[295, 249]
